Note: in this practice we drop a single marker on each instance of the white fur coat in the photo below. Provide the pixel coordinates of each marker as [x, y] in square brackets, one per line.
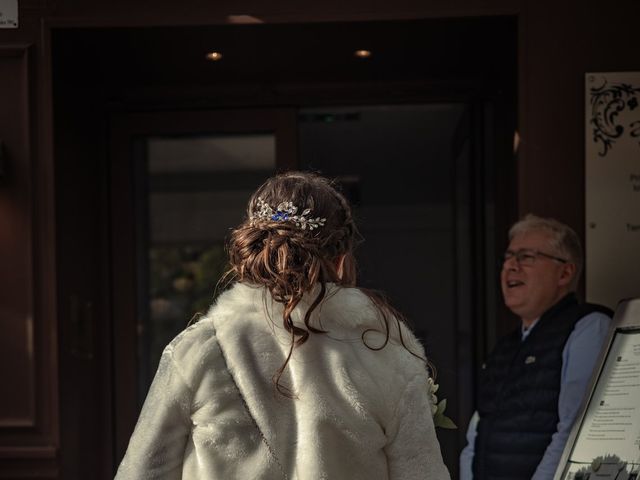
[212, 412]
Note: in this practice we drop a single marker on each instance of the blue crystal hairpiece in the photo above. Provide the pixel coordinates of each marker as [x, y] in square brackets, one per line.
[287, 212]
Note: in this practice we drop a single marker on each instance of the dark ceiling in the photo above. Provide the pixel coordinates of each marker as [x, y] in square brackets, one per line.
[482, 49]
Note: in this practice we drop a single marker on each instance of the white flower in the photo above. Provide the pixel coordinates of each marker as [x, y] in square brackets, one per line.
[438, 408]
[433, 388]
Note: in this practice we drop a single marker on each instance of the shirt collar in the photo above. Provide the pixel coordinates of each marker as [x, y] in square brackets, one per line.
[566, 301]
[525, 331]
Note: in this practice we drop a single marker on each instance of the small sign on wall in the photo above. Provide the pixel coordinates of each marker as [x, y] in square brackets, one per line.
[8, 13]
[612, 174]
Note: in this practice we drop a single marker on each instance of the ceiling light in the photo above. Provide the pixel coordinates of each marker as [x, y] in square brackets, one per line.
[214, 56]
[243, 19]
[362, 53]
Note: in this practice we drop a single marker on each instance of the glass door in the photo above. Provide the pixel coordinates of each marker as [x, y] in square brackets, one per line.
[409, 171]
[190, 190]
[180, 183]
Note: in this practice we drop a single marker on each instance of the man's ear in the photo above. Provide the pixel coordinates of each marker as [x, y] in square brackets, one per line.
[567, 273]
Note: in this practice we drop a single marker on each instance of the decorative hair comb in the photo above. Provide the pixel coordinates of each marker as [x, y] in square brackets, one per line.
[286, 212]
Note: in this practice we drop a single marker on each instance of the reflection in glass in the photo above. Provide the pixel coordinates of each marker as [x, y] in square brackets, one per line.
[181, 286]
[190, 192]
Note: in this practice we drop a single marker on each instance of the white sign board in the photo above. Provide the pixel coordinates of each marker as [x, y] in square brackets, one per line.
[8, 13]
[612, 174]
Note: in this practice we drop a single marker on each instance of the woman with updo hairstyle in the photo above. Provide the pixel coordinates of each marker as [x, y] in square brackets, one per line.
[294, 372]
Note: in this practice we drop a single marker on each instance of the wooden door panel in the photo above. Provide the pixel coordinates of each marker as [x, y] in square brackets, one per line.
[28, 368]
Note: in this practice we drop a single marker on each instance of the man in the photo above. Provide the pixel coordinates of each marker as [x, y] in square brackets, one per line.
[532, 385]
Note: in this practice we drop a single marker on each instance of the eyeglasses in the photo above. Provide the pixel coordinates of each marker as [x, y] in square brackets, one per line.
[528, 257]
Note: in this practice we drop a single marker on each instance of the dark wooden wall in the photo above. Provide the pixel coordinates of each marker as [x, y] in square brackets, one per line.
[28, 368]
[558, 42]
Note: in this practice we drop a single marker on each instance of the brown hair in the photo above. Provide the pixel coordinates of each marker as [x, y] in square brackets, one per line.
[291, 261]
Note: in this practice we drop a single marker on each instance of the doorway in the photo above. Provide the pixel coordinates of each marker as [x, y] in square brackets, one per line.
[179, 181]
[420, 142]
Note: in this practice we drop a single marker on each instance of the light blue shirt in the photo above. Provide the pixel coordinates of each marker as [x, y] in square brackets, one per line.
[578, 361]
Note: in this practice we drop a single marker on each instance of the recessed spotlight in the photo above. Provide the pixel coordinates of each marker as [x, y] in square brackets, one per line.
[362, 53]
[214, 56]
[243, 19]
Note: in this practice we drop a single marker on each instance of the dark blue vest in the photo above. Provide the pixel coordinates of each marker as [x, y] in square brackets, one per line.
[518, 395]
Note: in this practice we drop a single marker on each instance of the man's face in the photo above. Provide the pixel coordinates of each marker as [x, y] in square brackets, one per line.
[531, 289]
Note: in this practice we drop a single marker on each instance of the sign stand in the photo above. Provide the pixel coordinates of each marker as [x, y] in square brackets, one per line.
[605, 440]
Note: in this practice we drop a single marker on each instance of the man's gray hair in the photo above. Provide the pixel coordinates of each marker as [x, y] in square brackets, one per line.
[564, 240]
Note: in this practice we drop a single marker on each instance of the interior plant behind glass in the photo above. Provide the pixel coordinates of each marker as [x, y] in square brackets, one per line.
[190, 191]
[181, 286]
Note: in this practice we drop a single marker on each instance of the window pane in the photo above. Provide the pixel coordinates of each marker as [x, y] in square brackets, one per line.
[191, 191]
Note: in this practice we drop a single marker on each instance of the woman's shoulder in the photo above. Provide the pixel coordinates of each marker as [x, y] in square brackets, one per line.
[197, 356]
[192, 347]
[353, 308]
